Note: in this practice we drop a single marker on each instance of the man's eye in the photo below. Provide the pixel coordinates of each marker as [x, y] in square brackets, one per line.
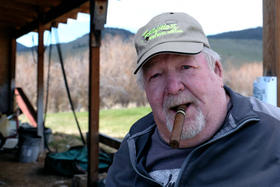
[154, 76]
[187, 67]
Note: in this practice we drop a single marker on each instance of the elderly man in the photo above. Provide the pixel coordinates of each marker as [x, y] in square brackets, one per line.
[225, 140]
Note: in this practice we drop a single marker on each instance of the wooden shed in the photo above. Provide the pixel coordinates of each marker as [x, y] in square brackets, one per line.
[19, 17]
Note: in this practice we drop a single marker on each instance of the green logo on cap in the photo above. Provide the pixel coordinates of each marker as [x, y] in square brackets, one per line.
[161, 30]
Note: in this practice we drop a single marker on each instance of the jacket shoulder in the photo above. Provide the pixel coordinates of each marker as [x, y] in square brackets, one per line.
[142, 124]
[265, 108]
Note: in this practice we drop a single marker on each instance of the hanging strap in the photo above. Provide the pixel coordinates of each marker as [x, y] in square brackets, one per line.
[48, 78]
[47, 90]
[67, 87]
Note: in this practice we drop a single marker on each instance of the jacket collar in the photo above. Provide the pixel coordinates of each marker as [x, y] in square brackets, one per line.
[239, 113]
[241, 108]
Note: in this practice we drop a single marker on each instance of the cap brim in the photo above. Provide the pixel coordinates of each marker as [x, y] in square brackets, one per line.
[169, 47]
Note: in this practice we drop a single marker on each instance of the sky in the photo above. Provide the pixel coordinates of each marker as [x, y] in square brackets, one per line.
[215, 16]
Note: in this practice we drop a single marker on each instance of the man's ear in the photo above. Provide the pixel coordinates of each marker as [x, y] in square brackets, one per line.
[218, 69]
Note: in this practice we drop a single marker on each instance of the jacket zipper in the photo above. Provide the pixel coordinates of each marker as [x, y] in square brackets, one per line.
[207, 143]
[148, 178]
[131, 145]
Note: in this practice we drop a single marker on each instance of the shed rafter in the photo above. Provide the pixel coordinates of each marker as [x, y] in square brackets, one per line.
[23, 16]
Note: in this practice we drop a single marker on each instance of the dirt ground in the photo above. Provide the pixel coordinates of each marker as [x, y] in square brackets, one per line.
[14, 173]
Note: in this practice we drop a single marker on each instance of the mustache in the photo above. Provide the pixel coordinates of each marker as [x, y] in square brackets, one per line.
[176, 100]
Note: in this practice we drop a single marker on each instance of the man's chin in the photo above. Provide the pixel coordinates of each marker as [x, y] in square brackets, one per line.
[193, 127]
[189, 135]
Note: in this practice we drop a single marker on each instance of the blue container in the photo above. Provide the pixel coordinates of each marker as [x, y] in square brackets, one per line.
[29, 145]
[30, 149]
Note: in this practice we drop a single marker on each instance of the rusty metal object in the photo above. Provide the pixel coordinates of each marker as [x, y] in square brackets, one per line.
[178, 126]
[26, 106]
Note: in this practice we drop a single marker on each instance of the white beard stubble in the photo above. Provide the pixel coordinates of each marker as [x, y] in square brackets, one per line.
[191, 127]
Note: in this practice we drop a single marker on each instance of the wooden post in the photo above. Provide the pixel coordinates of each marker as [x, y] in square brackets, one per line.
[98, 13]
[40, 86]
[12, 70]
[271, 41]
[93, 146]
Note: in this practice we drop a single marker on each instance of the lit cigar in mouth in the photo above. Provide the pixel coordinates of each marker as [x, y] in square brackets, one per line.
[177, 126]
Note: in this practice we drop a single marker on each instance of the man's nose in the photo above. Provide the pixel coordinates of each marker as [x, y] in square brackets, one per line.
[174, 84]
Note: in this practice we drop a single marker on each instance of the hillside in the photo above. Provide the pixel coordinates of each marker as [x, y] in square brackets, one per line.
[83, 40]
[238, 47]
[235, 48]
[80, 45]
[251, 34]
[237, 51]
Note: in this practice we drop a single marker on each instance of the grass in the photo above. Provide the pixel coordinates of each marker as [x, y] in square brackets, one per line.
[112, 122]
[116, 122]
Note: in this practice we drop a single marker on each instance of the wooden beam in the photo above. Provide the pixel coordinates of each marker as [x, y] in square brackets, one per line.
[69, 15]
[271, 41]
[12, 74]
[64, 18]
[40, 85]
[84, 8]
[98, 12]
[109, 141]
[19, 11]
[93, 146]
[11, 5]
[41, 3]
[51, 15]
[18, 17]
[11, 21]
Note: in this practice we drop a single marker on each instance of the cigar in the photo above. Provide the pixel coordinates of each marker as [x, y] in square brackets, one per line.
[177, 126]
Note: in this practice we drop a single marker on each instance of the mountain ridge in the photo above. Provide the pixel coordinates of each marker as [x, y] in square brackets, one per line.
[251, 33]
[235, 47]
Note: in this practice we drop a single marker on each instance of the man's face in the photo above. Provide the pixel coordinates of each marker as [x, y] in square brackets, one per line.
[171, 80]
